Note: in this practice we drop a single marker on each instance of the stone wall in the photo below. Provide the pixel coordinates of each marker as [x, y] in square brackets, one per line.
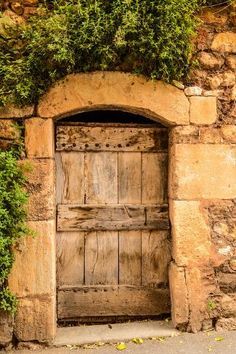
[202, 186]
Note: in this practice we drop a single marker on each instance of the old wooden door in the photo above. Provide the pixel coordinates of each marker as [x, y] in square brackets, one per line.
[113, 245]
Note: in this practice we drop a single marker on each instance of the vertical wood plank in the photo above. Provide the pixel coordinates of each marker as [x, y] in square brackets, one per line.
[70, 258]
[129, 177]
[70, 177]
[130, 257]
[101, 258]
[154, 178]
[156, 256]
[101, 177]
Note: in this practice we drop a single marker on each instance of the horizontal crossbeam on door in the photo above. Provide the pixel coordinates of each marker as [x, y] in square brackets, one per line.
[113, 217]
[100, 138]
[118, 300]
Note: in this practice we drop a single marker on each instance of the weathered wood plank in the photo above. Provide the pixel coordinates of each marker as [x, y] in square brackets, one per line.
[112, 217]
[70, 258]
[130, 257]
[101, 178]
[156, 255]
[129, 181]
[101, 258]
[154, 178]
[70, 177]
[112, 301]
[101, 138]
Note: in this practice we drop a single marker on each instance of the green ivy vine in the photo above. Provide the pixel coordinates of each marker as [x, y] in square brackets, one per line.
[13, 199]
[150, 37]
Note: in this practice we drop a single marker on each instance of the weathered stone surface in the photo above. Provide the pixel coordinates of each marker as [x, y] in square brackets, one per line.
[231, 61]
[215, 81]
[228, 305]
[193, 91]
[226, 324]
[36, 319]
[229, 133]
[210, 61]
[36, 255]
[202, 171]
[214, 17]
[227, 282]
[41, 188]
[224, 42]
[115, 90]
[14, 112]
[200, 284]
[179, 296]
[191, 243]
[203, 110]
[8, 130]
[228, 79]
[191, 134]
[6, 328]
[39, 137]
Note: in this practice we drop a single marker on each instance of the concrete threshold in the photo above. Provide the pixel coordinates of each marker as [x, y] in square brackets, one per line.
[119, 332]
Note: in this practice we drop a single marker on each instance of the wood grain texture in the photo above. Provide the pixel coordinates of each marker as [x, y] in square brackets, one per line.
[101, 178]
[130, 257]
[154, 178]
[112, 301]
[70, 177]
[101, 138]
[101, 258]
[129, 182]
[70, 258]
[156, 256]
[108, 217]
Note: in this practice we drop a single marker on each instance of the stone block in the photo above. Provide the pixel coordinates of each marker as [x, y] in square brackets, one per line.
[36, 319]
[15, 112]
[8, 130]
[228, 305]
[231, 61]
[179, 296]
[34, 270]
[203, 110]
[224, 42]
[115, 90]
[202, 171]
[6, 328]
[193, 91]
[191, 245]
[210, 61]
[39, 137]
[41, 189]
[226, 324]
[229, 133]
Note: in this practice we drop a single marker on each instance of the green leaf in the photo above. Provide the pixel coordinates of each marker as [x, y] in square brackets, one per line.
[121, 346]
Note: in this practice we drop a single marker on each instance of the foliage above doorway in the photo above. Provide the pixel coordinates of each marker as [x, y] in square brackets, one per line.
[150, 37]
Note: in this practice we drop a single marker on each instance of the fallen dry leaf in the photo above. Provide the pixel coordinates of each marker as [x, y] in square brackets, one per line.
[121, 346]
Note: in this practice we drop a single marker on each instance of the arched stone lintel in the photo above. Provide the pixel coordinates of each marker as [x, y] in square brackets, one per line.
[115, 90]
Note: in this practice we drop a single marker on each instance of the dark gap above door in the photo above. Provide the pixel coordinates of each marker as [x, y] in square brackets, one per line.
[110, 117]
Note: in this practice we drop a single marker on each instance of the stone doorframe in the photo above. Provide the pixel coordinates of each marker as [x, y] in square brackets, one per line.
[33, 277]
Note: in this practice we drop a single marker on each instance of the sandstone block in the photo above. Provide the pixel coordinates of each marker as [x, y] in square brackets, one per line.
[35, 255]
[224, 42]
[36, 319]
[8, 130]
[39, 137]
[229, 133]
[215, 81]
[179, 296]
[115, 90]
[231, 61]
[203, 110]
[193, 91]
[210, 61]
[41, 189]
[228, 305]
[202, 171]
[228, 79]
[14, 112]
[226, 324]
[212, 17]
[191, 243]
[6, 328]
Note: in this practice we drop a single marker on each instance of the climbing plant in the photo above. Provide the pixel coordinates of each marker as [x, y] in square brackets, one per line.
[151, 37]
[13, 199]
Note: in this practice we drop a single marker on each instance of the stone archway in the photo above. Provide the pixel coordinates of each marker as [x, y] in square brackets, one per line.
[169, 105]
